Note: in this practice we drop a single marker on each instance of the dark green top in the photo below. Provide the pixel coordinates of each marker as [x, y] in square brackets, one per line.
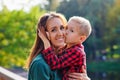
[40, 70]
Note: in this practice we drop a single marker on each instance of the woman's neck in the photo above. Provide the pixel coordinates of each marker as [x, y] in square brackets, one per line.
[58, 49]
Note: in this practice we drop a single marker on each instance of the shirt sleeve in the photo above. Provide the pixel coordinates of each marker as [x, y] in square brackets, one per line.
[70, 57]
[38, 71]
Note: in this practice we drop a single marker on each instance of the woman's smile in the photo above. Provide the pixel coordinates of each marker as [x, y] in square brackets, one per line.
[60, 39]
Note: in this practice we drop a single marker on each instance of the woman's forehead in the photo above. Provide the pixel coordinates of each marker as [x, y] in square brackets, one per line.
[54, 22]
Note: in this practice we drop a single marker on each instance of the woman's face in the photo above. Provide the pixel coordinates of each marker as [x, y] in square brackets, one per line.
[56, 32]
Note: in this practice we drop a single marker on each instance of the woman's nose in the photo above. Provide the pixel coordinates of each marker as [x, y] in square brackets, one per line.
[66, 32]
[60, 32]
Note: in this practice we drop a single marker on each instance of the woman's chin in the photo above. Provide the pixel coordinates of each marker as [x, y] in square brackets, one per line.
[60, 45]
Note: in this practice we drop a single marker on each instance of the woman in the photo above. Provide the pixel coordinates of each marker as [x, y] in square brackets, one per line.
[53, 24]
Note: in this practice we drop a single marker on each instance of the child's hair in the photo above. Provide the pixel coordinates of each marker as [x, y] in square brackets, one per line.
[84, 24]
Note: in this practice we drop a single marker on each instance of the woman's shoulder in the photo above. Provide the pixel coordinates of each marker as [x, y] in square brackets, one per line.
[39, 70]
[38, 57]
[39, 65]
[39, 61]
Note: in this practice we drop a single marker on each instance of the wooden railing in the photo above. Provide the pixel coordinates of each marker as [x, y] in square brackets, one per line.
[8, 75]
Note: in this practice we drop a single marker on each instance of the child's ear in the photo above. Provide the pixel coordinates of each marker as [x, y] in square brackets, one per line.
[82, 38]
[48, 35]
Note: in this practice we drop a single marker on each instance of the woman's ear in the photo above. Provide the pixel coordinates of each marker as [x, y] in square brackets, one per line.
[38, 32]
[48, 36]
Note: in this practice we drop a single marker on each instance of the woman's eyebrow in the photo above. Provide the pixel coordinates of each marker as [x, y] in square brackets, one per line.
[66, 27]
[53, 27]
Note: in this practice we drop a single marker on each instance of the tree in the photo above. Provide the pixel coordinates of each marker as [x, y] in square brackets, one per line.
[52, 5]
[113, 28]
[17, 33]
[96, 12]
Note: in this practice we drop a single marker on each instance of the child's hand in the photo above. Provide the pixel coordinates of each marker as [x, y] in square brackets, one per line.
[79, 76]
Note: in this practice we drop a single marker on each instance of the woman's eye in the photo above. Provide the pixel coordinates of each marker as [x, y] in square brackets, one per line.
[53, 30]
[61, 27]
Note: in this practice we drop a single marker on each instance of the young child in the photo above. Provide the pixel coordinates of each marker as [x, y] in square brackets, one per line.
[73, 57]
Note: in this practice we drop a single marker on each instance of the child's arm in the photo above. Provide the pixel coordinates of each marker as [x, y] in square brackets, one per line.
[78, 76]
[70, 57]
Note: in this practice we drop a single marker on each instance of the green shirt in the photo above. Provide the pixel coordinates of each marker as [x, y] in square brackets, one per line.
[40, 70]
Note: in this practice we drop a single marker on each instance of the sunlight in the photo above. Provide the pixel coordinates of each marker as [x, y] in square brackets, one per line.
[21, 4]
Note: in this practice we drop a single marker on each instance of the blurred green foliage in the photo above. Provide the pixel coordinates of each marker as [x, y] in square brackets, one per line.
[107, 66]
[17, 34]
[18, 29]
[104, 16]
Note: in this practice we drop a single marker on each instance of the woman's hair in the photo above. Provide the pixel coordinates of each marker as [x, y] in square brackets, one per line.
[38, 46]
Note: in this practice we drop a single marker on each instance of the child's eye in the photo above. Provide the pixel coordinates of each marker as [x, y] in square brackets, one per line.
[71, 30]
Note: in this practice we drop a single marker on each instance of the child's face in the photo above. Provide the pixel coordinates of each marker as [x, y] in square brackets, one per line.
[72, 33]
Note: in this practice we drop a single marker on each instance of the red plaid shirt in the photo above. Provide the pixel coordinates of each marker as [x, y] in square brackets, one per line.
[70, 60]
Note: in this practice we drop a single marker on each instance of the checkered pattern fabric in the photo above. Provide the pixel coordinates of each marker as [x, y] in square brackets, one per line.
[69, 60]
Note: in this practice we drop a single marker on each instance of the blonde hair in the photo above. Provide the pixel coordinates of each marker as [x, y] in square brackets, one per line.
[84, 24]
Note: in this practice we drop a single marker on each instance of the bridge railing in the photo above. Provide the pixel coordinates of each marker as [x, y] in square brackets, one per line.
[8, 75]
